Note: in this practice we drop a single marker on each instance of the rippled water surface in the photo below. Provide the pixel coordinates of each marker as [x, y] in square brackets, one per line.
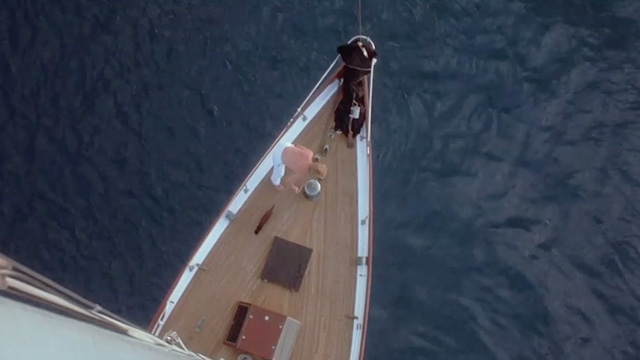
[507, 143]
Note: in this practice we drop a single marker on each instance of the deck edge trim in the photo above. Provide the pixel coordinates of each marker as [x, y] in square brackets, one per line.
[362, 270]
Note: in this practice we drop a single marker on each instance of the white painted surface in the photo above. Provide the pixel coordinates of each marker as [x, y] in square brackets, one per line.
[263, 168]
[30, 333]
[363, 193]
[362, 271]
[364, 215]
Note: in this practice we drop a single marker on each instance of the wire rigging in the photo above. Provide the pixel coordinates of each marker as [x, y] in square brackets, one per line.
[360, 16]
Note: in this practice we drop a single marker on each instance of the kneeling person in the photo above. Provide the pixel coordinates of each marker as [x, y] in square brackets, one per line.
[300, 160]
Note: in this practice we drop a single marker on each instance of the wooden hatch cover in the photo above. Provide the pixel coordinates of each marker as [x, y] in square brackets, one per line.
[262, 332]
[286, 263]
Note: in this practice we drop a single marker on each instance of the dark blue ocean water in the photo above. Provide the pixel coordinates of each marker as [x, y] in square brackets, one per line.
[507, 143]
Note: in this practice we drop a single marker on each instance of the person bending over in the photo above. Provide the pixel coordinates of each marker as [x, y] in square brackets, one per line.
[299, 159]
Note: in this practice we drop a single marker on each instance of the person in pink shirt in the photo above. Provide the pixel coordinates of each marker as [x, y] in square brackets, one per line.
[300, 160]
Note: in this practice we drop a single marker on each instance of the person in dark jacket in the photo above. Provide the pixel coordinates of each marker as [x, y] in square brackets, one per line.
[358, 59]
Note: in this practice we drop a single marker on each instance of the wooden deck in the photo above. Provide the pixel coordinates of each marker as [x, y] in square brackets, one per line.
[231, 272]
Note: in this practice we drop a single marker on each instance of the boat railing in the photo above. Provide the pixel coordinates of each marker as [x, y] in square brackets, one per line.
[369, 103]
[22, 282]
[27, 275]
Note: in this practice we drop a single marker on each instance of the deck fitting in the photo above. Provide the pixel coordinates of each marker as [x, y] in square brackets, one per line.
[312, 189]
[325, 150]
[362, 260]
[197, 266]
[200, 323]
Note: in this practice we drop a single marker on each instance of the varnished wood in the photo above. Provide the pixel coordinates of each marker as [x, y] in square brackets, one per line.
[231, 273]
